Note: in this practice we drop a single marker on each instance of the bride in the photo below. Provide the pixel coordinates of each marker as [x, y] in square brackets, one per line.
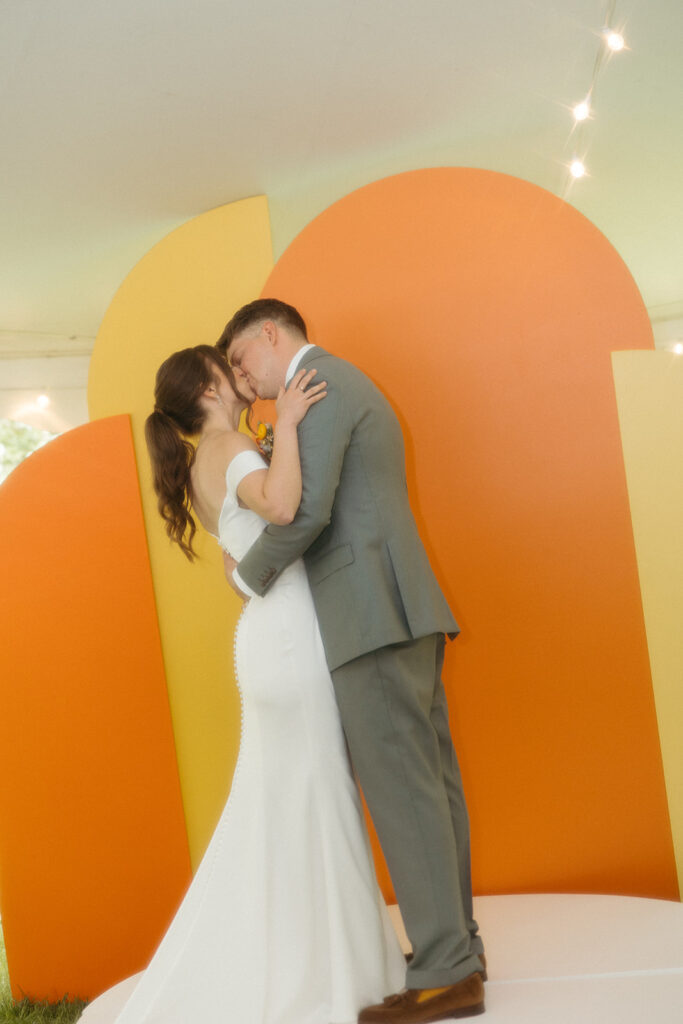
[283, 922]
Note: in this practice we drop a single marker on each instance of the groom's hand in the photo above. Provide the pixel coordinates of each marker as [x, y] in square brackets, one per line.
[229, 565]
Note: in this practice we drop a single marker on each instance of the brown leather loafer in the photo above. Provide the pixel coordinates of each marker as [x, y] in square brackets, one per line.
[464, 999]
[482, 957]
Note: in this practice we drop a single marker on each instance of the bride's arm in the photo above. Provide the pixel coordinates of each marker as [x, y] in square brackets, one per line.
[275, 493]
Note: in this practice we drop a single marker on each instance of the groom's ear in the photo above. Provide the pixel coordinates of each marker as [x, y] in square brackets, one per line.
[269, 328]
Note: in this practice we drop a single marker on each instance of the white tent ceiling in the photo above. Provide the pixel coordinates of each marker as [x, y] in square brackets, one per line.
[122, 118]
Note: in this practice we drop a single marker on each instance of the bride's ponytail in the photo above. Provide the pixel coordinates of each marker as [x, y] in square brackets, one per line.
[178, 415]
[172, 457]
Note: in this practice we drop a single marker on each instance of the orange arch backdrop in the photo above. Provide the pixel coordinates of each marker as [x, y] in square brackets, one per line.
[487, 309]
[93, 847]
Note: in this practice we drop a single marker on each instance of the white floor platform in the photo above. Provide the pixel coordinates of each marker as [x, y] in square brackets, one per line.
[564, 960]
[582, 959]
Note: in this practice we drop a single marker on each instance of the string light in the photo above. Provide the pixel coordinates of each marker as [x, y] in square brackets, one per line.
[42, 401]
[678, 348]
[611, 41]
[614, 40]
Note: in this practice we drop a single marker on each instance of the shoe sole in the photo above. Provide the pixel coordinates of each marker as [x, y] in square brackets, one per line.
[464, 1011]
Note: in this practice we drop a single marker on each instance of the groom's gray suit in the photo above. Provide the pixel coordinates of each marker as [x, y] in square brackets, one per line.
[383, 617]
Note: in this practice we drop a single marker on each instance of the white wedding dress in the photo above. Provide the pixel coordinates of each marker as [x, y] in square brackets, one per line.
[284, 922]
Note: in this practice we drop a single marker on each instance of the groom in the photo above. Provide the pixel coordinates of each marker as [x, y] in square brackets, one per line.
[383, 618]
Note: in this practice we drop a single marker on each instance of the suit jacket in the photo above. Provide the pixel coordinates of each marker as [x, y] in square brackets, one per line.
[371, 581]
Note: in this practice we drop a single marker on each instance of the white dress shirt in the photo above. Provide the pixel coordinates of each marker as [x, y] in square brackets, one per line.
[292, 368]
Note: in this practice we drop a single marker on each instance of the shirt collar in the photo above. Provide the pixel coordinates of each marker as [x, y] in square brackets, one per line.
[291, 369]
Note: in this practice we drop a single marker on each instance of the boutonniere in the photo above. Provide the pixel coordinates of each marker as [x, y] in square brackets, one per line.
[264, 439]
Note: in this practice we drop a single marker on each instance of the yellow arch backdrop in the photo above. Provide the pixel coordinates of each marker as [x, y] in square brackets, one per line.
[182, 293]
[650, 398]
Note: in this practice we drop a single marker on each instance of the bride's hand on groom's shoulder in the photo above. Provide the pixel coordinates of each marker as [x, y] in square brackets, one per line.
[293, 403]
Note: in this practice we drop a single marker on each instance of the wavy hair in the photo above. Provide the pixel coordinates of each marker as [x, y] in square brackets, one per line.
[181, 381]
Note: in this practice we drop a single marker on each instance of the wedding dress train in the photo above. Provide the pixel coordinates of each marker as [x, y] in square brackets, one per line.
[283, 922]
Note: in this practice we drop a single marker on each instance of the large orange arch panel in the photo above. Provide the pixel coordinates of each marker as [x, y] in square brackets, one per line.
[487, 309]
[93, 848]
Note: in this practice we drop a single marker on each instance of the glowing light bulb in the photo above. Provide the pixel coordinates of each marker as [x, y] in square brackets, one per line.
[577, 169]
[678, 348]
[614, 40]
[42, 401]
[581, 111]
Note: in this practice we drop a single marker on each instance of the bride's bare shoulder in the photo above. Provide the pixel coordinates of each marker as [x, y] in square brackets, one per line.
[224, 445]
[213, 455]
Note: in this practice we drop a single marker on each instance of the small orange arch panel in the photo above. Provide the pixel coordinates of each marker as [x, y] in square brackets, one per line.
[93, 846]
[487, 309]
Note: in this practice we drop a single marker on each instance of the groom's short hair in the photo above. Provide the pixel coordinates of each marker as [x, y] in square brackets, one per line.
[256, 312]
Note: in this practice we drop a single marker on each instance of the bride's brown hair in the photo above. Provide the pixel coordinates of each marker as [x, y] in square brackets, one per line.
[178, 415]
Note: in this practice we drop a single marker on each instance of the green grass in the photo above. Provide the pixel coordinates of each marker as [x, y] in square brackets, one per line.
[29, 1012]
